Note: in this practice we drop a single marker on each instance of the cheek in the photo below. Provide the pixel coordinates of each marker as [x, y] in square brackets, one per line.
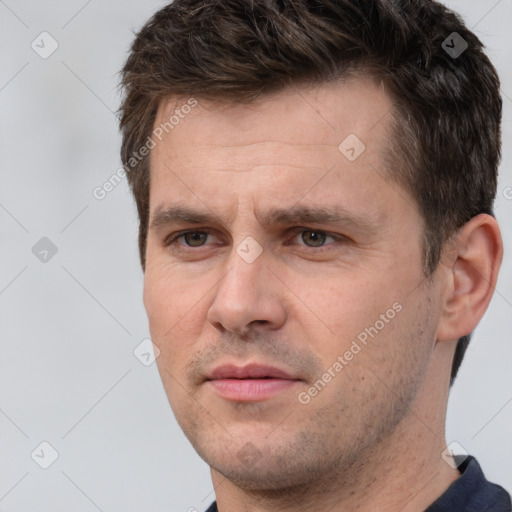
[170, 299]
[346, 308]
[176, 310]
[378, 370]
[370, 324]
[170, 314]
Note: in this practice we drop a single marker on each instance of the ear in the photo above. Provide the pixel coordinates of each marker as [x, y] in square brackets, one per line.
[471, 273]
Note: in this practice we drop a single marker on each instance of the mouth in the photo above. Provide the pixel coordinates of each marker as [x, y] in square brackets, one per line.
[250, 383]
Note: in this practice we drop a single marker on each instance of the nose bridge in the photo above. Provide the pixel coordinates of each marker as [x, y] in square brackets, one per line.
[245, 267]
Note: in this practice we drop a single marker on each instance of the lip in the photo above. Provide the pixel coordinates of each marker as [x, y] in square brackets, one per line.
[250, 383]
[249, 371]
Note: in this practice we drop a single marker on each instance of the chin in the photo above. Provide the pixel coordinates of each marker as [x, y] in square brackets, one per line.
[258, 464]
[263, 475]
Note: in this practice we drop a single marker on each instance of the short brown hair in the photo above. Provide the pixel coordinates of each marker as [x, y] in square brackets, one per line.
[446, 121]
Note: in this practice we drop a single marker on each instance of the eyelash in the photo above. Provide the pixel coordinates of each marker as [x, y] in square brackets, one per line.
[172, 240]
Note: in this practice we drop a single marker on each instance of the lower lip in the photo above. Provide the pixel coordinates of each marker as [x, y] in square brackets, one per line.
[250, 390]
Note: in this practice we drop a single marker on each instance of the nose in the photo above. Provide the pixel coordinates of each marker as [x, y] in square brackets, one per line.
[249, 294]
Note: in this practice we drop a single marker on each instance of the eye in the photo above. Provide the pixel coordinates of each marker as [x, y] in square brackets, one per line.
[316, 237]
[195, 238]
[313, 238]
[191, 238]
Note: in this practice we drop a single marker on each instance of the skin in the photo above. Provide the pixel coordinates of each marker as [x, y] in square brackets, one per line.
[372, 438]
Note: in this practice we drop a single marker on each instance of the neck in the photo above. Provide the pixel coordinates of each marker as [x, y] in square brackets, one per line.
[403, 472]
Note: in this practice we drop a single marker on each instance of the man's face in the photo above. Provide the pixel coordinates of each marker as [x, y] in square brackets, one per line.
[290, 345]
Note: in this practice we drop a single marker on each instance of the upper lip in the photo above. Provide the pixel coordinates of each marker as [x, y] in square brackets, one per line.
[249, 371]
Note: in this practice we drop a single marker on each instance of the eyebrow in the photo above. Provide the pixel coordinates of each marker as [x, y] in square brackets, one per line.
[295, 215]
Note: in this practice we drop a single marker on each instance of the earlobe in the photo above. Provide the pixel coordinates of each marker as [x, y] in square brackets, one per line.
[475, 256]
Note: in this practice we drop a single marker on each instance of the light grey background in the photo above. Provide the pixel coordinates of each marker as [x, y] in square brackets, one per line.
[69, 326]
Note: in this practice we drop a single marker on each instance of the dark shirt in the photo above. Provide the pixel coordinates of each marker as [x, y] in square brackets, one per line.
[471, 492]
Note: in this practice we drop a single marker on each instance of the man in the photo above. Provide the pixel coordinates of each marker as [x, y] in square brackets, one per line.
[315, 181]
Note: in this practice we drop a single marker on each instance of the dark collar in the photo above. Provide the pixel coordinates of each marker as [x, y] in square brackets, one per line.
[472, 492]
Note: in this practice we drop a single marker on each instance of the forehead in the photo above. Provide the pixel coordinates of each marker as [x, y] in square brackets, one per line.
[326, 142]
[305, 117]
